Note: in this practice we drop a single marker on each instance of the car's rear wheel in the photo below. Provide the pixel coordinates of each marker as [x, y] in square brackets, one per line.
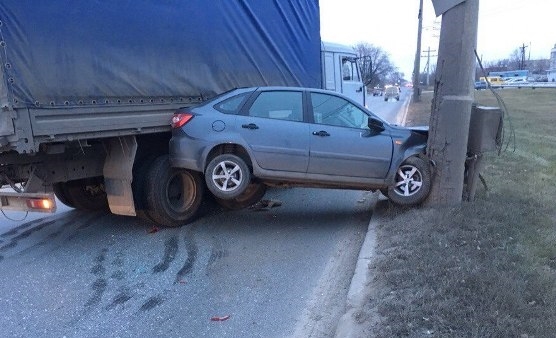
[173, 195]
[412, 182]
[254, 193]
[227, 176]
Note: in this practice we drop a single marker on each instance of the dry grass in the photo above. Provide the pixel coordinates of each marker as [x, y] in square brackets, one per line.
[482, 269]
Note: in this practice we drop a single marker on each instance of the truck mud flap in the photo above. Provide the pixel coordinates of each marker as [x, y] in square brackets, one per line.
[118, 175]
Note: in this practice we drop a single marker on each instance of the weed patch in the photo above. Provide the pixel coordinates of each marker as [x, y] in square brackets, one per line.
[485, 268]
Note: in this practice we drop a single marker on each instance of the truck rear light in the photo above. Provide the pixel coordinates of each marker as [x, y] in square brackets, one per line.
[180, 119]
[40, 204]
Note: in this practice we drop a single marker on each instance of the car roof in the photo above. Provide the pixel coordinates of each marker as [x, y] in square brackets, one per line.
[280, 88]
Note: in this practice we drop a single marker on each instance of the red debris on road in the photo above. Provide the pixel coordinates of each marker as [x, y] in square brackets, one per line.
[220, 319]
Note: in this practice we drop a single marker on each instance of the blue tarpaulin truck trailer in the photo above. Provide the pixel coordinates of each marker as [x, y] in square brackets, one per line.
[88, 88]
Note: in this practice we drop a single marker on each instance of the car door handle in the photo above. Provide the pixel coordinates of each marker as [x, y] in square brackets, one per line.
[359, 90]
[250, 126]
[321, 133]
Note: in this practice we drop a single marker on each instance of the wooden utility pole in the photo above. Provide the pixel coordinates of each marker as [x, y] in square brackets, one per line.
[453, 98]
[417, 65]
[522, 63]
[427, 69]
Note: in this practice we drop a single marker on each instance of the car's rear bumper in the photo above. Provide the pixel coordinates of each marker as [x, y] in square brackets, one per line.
[185, 153]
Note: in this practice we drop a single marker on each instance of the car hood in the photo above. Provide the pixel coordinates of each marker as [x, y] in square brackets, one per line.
[420, 129]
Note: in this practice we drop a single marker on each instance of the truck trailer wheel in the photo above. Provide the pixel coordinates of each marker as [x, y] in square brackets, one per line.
[173, 195]
[85, 194]
[254, 193]
[140, 171]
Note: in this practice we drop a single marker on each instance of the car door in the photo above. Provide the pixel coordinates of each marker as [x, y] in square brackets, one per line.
[341, 142]
[273, 128]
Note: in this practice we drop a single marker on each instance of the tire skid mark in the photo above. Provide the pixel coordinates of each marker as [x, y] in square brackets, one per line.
[52, 236]
[24, 226]
[120, 298]
[118, 264]
[151, 303]
[217, 252]
[64, 227]
[86, 223]
[100, 285]
[170, 252]
[191, 257]
[98, 269]
[23, 235]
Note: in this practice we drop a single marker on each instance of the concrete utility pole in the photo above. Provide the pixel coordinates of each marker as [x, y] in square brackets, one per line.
[453, 98]
[417, 65]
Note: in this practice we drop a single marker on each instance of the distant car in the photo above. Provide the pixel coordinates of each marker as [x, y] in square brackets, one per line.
[392, 92]
[251, 138]
[377, 91]
[515, 81]
[480, 85]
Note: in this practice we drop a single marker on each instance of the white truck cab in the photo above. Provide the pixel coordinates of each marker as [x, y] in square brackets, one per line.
[340, 71]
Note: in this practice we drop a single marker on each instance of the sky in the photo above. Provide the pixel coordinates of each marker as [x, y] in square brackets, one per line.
[504, 26]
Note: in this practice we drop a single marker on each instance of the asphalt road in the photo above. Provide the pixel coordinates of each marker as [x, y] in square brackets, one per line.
[275, 273]
[389, 110]
[279, 272]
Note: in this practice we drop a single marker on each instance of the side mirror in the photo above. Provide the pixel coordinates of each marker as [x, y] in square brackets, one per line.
[375, 125]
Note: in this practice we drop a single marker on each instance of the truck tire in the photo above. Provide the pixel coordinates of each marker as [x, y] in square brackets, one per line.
[61, 194]
[140, 170]
[86, 194]
[173, 195]
[412, 182]
[254, 193]
[227, 176]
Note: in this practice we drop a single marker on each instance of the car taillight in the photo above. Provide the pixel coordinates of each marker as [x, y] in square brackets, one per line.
[179, 119]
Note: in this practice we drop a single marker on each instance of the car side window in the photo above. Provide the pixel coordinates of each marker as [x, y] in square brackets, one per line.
[336, 111]
[282, 105]
[232, 104]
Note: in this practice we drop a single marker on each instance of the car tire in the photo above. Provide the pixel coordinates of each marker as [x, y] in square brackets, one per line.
[227, 176]
[412, 182]
[86, 194]
[173, 195]
[254, 193]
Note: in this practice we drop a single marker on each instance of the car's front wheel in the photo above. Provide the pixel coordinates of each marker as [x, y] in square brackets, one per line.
[254, 193]
[412, 183]
[227, 176]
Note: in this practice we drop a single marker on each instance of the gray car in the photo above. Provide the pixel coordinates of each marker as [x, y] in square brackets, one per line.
[250, 138]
